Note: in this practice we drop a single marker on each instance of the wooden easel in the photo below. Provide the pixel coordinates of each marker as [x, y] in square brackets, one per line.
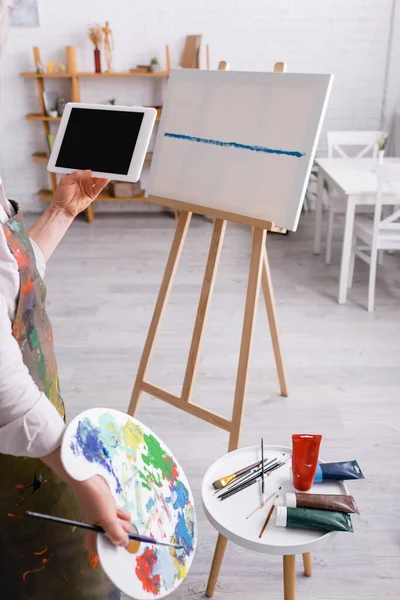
[259, 276]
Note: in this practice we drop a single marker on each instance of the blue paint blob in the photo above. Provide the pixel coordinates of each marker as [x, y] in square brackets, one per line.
[182, 534]
[179, 495]
[199, 140]
[88, 441]
[150, 504]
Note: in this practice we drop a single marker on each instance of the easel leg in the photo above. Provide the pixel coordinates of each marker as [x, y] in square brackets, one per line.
[89, 212]
[270, 306]
[253, 290]
[216, 564]
[217, 240]
[289, 577]
[169, 274]
[307, 563]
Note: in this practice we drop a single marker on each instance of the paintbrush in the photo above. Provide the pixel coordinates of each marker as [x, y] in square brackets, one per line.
[268, 516]
[132, 536]
[264, 503]
[246, 484]
[246, 476]
[223, 481]
[262, 472]
[243, 484]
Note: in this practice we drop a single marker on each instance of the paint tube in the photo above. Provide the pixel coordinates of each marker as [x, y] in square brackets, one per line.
[309, 518]
[341, 503]
[338, 471]
[304, 460]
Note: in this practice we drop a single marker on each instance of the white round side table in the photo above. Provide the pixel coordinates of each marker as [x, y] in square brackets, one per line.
[229, 516]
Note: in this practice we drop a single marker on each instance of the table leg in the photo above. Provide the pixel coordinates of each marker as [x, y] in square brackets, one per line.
[216, 564]
[289, 577]
[346, 251]
[318, 212]
[307, 563]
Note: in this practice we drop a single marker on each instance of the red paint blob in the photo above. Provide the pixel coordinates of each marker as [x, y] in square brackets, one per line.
[144, 567]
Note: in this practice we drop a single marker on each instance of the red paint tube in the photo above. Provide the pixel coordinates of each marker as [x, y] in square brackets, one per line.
[304, 459]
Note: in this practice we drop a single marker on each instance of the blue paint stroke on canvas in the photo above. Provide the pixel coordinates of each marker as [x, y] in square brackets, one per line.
[190, 138]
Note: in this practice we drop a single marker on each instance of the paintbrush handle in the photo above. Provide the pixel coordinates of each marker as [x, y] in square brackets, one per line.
[267, 520]
[257, 475]
[132, 536]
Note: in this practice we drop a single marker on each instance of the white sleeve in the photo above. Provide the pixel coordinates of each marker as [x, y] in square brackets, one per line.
[39, 258]
[29, 424]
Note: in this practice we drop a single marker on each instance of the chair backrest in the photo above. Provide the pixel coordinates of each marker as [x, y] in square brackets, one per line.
[388, 181]
[353, 144]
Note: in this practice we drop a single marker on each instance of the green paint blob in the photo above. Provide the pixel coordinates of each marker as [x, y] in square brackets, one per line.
[157, 458]
[34, 339]
[15, 226]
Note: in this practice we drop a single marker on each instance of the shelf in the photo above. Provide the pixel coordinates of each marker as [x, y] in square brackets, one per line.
[47, 196]
[45, 75]
[35, 117]
[40, 157]
[123, 74]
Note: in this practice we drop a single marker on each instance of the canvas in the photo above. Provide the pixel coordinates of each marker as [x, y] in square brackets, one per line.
[145, 480]
[239, 142]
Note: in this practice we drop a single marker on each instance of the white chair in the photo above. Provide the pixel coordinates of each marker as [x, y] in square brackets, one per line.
[346, 144]
[379, 233]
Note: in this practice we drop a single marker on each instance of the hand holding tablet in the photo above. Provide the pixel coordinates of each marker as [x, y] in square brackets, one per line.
[111, 141]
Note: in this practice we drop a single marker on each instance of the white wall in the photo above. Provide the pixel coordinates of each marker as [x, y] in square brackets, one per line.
[346, 37]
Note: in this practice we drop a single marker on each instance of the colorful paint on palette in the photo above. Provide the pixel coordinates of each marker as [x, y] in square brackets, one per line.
[146, 481]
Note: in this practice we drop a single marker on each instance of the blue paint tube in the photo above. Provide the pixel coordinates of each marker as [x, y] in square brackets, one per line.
[338, 471]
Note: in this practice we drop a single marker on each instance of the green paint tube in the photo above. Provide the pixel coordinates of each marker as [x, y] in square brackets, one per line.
[309, 518]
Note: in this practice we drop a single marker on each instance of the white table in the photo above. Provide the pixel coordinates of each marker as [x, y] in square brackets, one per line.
[357, 181]
[229, 516]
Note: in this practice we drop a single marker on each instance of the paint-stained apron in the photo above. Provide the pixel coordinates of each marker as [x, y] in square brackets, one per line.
[39, 560]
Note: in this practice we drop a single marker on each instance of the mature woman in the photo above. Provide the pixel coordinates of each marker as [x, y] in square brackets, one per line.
[38, 559]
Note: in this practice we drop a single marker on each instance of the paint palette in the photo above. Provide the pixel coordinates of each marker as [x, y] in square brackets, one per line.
[148, 482]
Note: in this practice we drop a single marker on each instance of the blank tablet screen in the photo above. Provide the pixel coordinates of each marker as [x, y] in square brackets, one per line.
[100, 140]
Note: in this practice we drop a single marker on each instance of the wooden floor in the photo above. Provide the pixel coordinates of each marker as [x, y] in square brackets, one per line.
[343, 367]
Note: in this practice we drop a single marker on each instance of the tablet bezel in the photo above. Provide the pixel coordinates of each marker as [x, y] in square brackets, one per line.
[142, 142]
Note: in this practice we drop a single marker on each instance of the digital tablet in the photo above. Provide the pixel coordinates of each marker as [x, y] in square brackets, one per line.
[112, 141]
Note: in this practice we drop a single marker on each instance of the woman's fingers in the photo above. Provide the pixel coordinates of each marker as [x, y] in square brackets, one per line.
[126, 525]
[116, 532]
[123, 514]
[99, 185]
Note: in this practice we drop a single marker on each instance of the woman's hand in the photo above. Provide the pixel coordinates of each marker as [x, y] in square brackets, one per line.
[99, 508]
[76, 192]
[97, 502]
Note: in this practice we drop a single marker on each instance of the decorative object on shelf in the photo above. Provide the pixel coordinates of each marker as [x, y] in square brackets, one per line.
[154, 65]
[39, 67]
[61, 105]
[50, 100]
[141, 69]
[61, 69]
[108, 45]
[95, 34]
[112, 101]
[24, 13]
[50, 141]
[50, 67]
[123, 189]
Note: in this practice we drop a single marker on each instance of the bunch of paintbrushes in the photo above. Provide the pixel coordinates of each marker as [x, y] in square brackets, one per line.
[247, 477]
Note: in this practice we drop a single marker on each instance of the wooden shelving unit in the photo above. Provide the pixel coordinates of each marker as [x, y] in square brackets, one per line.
[74, 76]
